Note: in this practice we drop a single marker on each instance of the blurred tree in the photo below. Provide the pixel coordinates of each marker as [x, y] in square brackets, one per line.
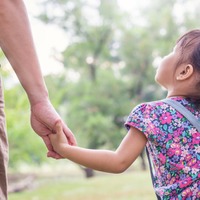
[112, 54]
[108, 68]
[24, 145]
[93, 112]
[90, 26]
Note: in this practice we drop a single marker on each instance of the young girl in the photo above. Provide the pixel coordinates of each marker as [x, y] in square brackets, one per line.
[172, 141]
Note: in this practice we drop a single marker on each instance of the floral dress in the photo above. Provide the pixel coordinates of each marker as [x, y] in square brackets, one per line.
[174, 147]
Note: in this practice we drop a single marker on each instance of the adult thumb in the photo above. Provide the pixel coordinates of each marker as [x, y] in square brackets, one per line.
[58, 127]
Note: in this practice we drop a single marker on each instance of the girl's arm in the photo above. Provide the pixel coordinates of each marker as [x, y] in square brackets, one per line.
[102, 160]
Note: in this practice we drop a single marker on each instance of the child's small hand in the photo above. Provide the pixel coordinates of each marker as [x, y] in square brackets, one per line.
[58, 140]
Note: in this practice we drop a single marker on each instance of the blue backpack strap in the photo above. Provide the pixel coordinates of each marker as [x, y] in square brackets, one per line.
[184, 111]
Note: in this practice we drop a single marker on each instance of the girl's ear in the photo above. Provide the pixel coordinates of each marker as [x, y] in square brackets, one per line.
[184, 72]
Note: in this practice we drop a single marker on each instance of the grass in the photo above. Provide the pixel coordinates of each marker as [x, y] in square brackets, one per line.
[127, 186]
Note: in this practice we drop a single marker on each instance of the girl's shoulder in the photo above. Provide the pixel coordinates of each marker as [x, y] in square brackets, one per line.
[193, 105]
[152, 105]
[184, 101]
[159, 107]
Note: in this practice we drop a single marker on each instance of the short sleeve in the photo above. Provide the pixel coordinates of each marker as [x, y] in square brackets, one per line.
[138, 118]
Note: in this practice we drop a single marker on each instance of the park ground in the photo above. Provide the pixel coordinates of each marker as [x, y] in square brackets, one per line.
[68, 182]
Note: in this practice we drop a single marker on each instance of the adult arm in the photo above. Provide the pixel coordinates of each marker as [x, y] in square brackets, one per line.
[17, 44]
[102, 160]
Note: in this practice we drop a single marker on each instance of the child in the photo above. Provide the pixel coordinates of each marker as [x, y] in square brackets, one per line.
[172, 141]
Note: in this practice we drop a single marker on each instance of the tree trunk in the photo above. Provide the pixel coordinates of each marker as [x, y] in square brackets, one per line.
[89, 173]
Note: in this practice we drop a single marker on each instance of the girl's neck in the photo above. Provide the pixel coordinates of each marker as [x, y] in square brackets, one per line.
[184, 92]
[184, 96]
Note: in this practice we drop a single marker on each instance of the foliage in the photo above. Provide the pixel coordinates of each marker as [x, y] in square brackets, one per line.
[112, 54]
[24, 145]
[92, 111]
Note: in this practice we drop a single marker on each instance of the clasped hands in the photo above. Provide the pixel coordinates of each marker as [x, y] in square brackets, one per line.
[46, 122]
[58, 141]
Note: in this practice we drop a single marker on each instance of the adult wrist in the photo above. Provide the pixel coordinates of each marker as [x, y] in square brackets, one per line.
[38, 97]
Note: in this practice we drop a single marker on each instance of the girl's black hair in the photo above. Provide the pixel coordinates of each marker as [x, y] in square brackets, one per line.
[189, 45]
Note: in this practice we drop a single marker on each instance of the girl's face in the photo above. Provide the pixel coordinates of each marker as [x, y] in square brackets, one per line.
[166, 70]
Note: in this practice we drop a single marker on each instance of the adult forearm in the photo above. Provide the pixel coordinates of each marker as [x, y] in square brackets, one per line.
[17, 44]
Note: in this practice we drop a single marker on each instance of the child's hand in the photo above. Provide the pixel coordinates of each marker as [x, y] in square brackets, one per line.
[58, 140]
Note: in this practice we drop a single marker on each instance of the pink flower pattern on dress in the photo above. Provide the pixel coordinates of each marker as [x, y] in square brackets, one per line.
[174, 146]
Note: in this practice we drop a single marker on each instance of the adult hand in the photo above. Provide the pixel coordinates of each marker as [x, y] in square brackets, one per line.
[43, 121]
